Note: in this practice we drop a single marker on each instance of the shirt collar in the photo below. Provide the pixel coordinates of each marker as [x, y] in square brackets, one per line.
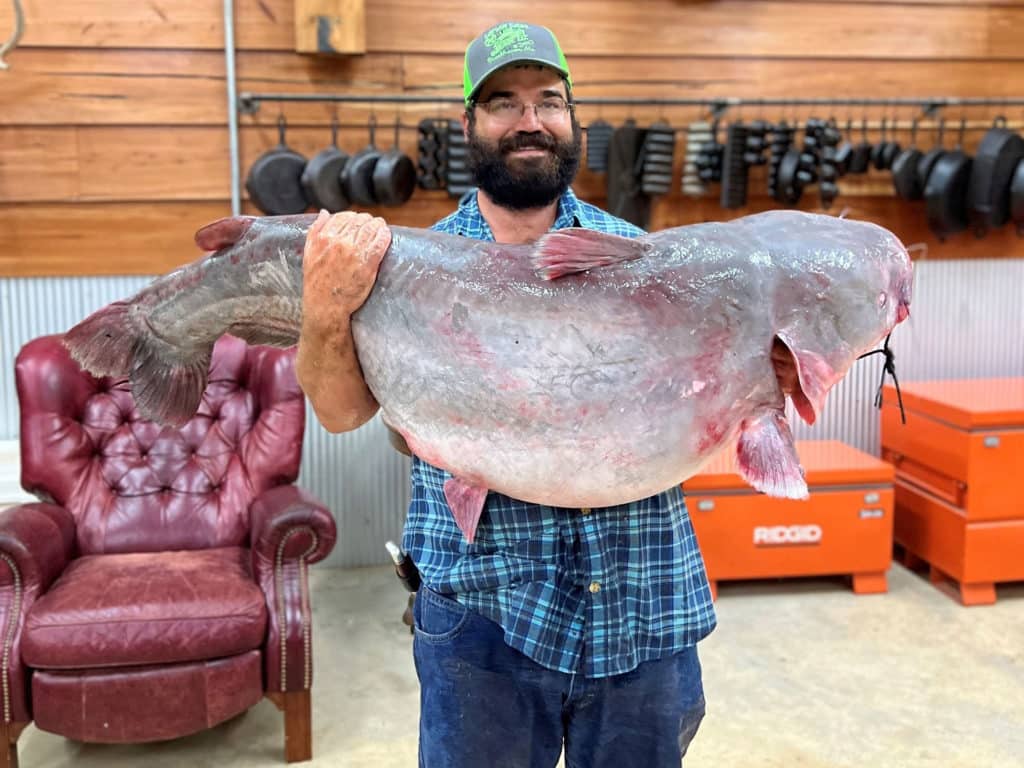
[570, 214]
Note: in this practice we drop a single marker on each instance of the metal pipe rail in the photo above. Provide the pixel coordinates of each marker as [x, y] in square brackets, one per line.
[248, 102]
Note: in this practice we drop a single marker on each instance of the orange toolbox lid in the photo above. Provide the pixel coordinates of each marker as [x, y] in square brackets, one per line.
[825, 462]
[965, 403]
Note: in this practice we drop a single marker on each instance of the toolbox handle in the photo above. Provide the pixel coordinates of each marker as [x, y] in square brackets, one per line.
[946, 488]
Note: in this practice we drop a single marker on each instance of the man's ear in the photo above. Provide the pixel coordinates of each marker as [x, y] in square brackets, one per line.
[464, 117]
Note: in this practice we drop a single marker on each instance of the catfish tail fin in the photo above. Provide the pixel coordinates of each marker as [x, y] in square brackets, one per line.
[167, 381]
[102, 343]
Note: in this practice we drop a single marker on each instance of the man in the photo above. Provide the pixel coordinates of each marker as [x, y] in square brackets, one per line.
[555, 627]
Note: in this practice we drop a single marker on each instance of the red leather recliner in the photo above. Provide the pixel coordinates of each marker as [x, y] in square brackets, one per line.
[161, 586]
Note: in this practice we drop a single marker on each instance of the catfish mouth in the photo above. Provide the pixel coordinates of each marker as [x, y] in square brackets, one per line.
[787, 375]
[904, 289]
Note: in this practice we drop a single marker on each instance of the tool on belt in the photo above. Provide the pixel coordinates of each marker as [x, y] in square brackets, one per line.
[406, 569]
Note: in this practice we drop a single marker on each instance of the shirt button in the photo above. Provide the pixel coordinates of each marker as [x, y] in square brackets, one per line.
[595, 587]
[585, 511]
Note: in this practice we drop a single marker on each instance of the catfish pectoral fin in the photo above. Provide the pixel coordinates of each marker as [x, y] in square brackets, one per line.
[766, 455]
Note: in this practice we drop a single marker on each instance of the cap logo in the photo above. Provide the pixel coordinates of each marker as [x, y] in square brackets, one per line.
[507, 39]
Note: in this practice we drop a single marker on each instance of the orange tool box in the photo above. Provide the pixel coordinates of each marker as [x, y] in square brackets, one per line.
[959, 470]
[845, 527]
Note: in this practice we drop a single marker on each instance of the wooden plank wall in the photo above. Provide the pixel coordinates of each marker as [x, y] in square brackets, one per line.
[113, 116]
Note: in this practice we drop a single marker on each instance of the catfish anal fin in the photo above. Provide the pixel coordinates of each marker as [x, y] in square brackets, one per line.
[467, 503]
[572, 250]
[766, 456]
[168, 387]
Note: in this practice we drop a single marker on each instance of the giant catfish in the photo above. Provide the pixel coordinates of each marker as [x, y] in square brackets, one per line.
[582, 370]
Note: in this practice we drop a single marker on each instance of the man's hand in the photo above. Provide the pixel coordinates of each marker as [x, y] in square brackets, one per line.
[340, 262]
[339, 267]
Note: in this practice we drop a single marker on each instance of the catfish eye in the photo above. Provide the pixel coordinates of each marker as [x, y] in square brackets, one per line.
[882, 298]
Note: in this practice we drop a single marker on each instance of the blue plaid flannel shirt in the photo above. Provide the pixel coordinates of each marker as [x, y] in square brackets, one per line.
[594, 592]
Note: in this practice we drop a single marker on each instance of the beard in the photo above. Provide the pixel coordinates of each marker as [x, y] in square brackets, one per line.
[529, 182]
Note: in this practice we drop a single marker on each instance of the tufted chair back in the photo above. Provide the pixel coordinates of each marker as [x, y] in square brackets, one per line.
[135, 486]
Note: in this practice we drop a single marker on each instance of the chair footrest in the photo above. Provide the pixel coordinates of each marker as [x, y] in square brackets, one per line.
[138, 704]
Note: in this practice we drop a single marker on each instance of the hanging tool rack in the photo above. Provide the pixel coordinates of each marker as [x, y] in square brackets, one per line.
[249, 102]
[716, 108]
[803, 148]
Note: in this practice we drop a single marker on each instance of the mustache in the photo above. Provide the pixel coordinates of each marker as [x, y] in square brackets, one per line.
[527, 141]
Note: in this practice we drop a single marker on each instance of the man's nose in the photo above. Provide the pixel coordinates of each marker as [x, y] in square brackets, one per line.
[529, 121]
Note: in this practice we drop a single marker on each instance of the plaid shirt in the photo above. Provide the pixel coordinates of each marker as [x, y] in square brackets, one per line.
[591, 591]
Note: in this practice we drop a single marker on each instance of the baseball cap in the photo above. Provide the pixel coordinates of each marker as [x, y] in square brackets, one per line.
[507, 43]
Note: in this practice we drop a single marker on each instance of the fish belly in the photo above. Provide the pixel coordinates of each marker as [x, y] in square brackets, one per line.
[589, 397]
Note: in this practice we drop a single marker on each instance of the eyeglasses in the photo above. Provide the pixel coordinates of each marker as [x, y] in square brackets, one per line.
[504, 109]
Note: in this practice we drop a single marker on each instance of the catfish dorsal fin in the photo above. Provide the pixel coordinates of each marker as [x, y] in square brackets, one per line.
[223, 232]
[572, 250]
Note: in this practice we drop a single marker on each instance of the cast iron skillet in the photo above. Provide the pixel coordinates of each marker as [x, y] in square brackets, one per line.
[1017, 198]
[845, 152]
[321, 178]
[788, 188]
[946, 190]
[394, 175]
[860, 156]
[275, 179]
[599, 136]
[904, 169]
[883, 153]
[357, 176]
[928, 159]
[988, 192]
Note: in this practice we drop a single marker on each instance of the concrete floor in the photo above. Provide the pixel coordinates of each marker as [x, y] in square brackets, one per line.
[798, 674]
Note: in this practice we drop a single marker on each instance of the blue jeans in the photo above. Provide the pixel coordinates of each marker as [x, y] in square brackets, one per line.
[483, 703]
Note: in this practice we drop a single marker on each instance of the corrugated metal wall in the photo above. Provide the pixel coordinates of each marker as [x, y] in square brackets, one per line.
[366, 484]
[967, 321]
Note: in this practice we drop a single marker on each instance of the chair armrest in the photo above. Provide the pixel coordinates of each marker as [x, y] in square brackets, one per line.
[288, 523]
[36, 544]
[290, 530]
[38, 538]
